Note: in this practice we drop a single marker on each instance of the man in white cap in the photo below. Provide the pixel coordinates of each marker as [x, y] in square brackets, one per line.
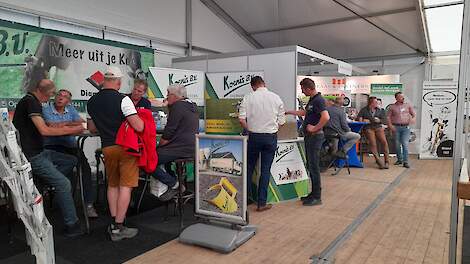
[108, 109]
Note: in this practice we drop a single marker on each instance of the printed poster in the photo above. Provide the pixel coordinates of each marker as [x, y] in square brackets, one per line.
[438, 114]
[225, 92]
[289, 187]
[355, 84]
[288, 166]
[194, 81]
[386, 93]
[221, 177]
[75, 63]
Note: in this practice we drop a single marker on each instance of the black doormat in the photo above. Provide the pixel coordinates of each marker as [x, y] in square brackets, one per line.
[96, 247]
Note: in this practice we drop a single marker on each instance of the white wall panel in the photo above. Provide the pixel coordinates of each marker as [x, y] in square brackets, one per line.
[228, 64]
[279, 74]
[191, 65]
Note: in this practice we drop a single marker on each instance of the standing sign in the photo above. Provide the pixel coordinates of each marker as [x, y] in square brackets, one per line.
[194, 82]
[438, 115]
[225, 91]
[221, 177]
[28, 55]
[288, 166]
[386, 92]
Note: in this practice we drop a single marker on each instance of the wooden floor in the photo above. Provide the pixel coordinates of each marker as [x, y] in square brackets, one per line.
[411, 225]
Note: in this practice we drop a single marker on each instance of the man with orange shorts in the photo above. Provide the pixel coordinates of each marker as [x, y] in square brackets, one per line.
[108, 109]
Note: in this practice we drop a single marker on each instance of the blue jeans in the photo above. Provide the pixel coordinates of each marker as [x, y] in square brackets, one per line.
[53, 168]
[89, 192]
[313, 144]
[266, 145]
[162, 175]
[402, 139]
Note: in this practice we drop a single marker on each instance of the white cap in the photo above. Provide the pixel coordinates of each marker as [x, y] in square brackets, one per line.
[113, 72]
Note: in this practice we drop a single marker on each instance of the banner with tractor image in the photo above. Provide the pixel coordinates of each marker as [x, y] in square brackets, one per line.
[224, 92]
[77, 63]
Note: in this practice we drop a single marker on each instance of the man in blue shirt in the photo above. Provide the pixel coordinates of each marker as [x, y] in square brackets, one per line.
[59, 114]
[316, 117]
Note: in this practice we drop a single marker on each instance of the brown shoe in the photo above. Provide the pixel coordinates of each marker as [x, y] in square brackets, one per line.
[264, 208]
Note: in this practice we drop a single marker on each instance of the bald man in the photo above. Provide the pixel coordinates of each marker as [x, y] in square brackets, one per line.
[51, 167]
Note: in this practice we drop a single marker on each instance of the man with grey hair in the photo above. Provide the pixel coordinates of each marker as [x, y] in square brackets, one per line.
[178, 137]
[61, 113]
[49, 166]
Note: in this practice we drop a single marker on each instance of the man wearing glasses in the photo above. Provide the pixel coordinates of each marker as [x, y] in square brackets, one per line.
[49, 166]
[61, 113]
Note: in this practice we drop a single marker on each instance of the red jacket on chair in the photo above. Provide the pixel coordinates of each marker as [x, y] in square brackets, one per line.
[142, 145]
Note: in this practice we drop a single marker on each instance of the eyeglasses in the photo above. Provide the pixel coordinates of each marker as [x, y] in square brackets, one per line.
[64, 95]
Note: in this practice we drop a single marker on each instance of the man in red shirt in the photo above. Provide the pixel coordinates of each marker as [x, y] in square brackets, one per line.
[400, 115]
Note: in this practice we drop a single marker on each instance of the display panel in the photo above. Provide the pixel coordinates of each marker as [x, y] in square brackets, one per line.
[221, 177]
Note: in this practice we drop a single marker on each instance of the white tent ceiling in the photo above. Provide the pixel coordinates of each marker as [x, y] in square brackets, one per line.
[344, 29]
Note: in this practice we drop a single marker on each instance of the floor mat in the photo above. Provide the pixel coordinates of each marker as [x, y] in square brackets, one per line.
[96, 247]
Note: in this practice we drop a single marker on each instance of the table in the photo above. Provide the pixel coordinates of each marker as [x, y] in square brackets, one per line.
[81, 138]
[353, 159]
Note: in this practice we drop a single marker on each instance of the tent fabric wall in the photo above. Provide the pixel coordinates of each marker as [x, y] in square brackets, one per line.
[212, 33]
[160, 19]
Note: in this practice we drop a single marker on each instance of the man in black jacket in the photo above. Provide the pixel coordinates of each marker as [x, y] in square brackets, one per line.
[178, 137]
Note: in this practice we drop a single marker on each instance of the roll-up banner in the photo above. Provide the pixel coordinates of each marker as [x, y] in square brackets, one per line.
[29, 54]
[224, 92]
[438, 114]
[194, 82]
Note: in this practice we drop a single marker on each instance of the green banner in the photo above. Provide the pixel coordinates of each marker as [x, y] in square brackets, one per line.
[221, 114]
[224, 93]
[76, 63]
[385, 89]
[385, 93]
[290, 190]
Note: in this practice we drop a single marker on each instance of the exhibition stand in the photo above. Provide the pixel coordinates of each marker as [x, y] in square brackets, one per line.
[218, 82]
[228, 80]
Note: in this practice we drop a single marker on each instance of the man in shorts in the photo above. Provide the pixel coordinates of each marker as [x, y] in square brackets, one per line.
[108, 109]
